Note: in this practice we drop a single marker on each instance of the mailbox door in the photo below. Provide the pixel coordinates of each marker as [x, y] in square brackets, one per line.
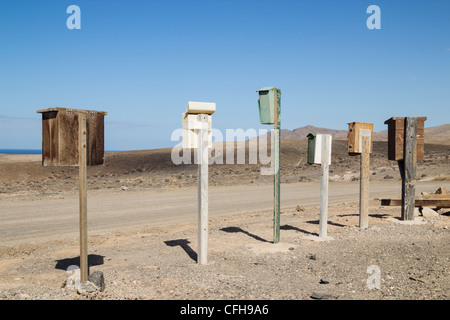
[311, 148]
[266, 106]
[190, 126]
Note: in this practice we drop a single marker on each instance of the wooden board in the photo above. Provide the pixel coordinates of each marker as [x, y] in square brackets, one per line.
[96, 138]
[438, 203]
[436, 196]
[68, 138]
[49, 139]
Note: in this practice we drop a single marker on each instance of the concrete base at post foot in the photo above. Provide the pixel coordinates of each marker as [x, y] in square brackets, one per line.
[320, 239]
[417, 220]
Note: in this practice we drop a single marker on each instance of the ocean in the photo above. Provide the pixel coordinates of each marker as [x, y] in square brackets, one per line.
[20, 151]
[29, 151]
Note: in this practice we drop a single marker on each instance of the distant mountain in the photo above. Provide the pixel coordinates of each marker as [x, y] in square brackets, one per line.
[438, 134]
[302, 132]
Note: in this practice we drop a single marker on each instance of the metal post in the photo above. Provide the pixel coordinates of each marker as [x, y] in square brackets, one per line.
[203, 190]
[82, 134]
[277, 153]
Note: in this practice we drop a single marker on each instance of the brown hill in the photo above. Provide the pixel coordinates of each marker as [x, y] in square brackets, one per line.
[433, 135]
[302, 132]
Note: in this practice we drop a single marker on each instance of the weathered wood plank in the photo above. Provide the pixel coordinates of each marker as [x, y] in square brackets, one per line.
[436, 196]
[439, 203]
[68, 138]
[409, 177]
[82, 138]
[364, 184]
[96, 139]
[49, 139]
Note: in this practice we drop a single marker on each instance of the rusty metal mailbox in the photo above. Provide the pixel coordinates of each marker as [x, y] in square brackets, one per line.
[357, 130]
[60, 136]
[396, 137]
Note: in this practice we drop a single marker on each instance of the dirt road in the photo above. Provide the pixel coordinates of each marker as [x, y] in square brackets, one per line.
[50, 219]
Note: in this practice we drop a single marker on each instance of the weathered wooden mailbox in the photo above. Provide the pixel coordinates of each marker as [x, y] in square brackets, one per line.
[396, 137]
[196, 124]
[406, 145]
[74, 137]
[319, 152]
[60, 136]
[357, 130]
[360, 142]
[269, 104]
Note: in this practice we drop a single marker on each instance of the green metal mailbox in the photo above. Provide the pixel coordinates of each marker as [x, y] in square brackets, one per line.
[311, 147]
[267, 103]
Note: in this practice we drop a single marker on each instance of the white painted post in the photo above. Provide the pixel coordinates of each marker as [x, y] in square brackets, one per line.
[325, 160]
[203, 158]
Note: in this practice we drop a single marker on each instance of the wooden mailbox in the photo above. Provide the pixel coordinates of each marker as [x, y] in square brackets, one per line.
[60, 136]
[356, 130]
[396, 137]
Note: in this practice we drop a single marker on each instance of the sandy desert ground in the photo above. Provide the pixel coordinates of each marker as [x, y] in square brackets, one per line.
[143, 230]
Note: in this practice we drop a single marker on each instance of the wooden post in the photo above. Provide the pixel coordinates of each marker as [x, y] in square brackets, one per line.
[323, 219]
[277, 153]
[364, 183]
[408, 168]
[82, 141]
[203, 189]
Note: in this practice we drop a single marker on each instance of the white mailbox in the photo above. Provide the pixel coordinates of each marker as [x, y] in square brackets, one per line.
[191, 123]
[319, 148]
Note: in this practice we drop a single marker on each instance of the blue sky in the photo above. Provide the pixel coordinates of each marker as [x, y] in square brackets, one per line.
[142, 61]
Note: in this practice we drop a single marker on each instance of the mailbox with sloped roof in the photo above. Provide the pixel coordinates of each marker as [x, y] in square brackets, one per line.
[60, 136]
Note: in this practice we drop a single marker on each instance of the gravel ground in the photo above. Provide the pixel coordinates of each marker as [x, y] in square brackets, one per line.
[243, 263]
